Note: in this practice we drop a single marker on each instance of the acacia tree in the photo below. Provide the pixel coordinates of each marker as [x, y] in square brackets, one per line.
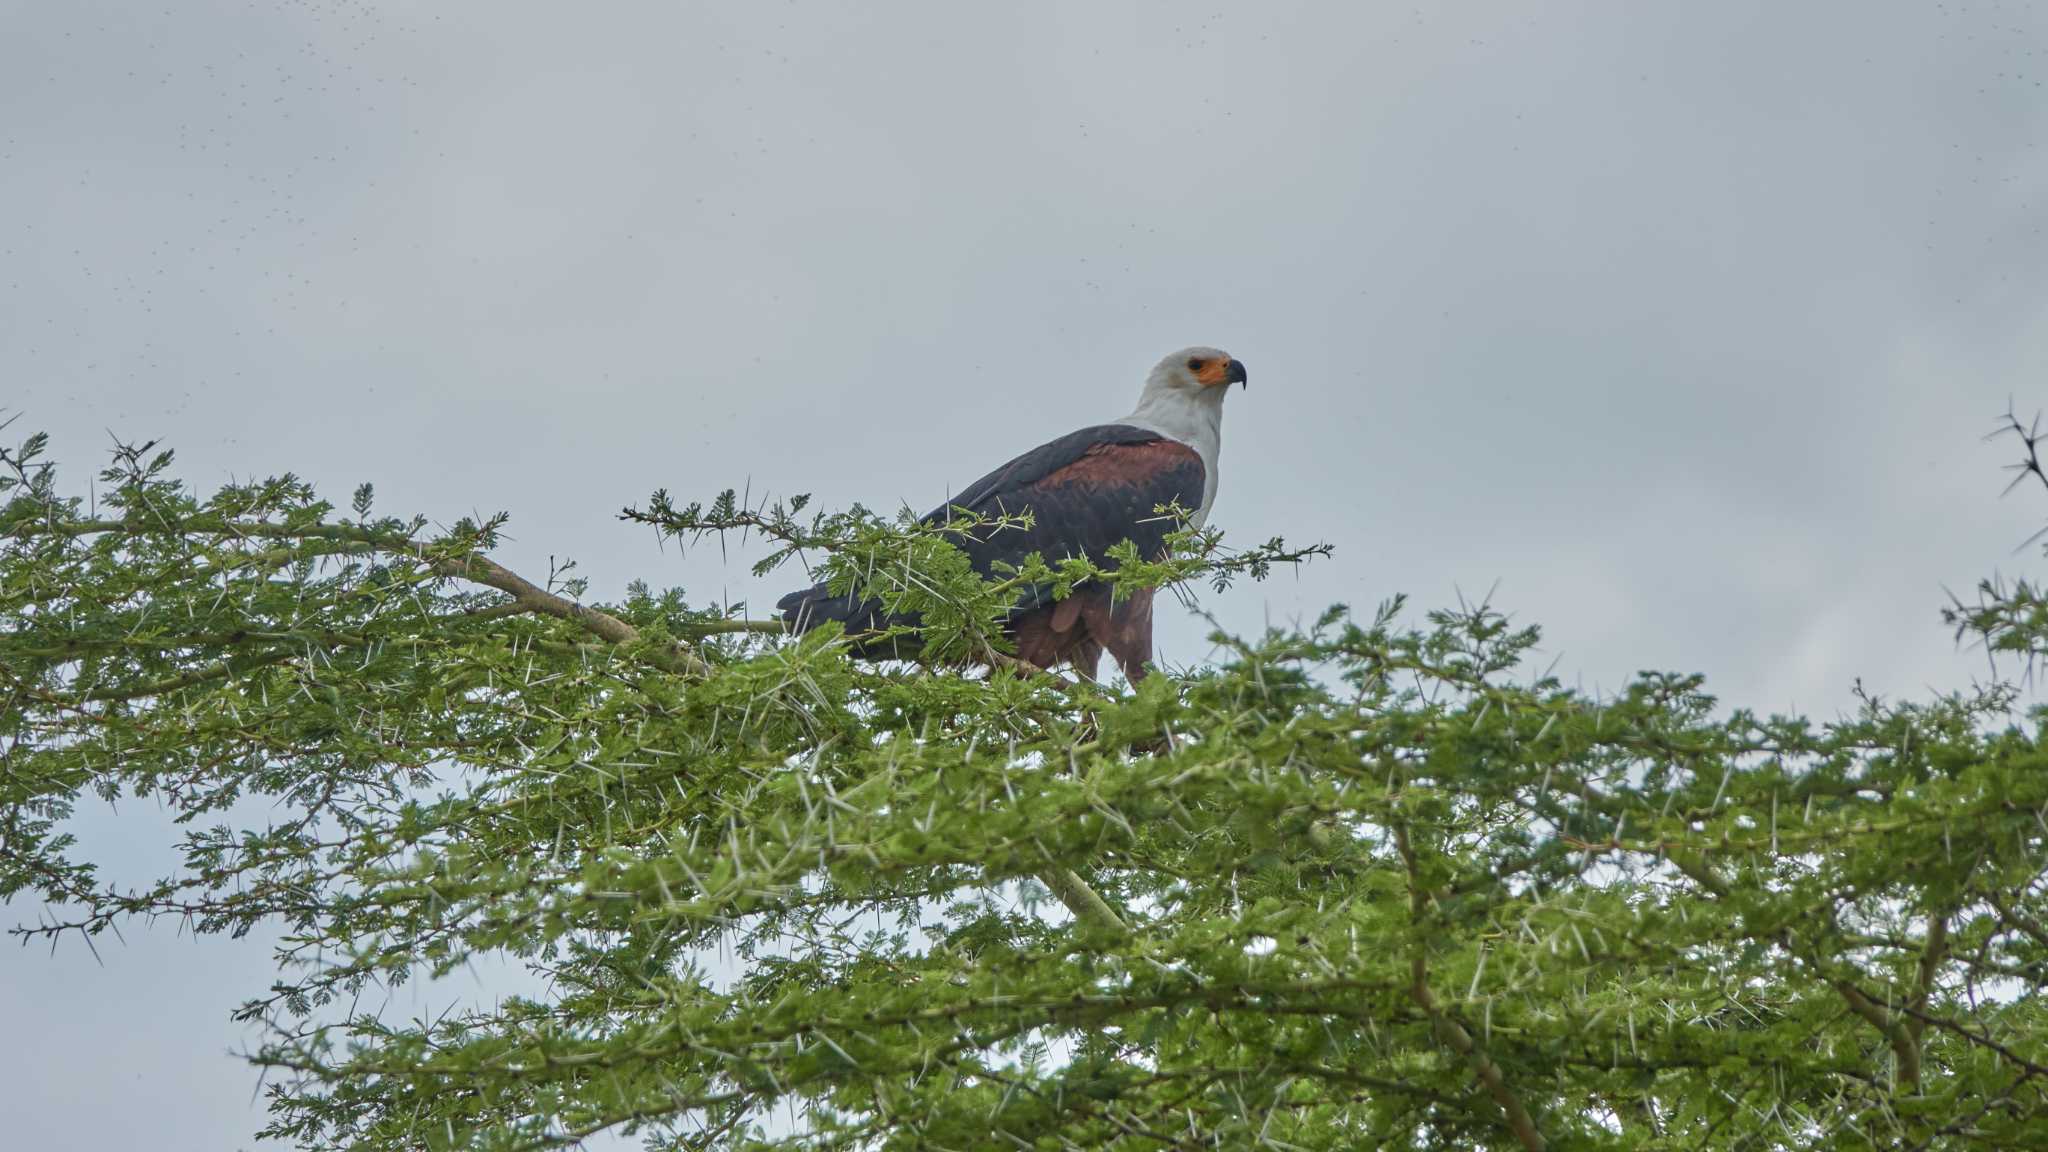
[1367, 884]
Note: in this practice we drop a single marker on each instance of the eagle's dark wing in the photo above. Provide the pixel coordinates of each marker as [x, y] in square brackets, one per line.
[1086, 491]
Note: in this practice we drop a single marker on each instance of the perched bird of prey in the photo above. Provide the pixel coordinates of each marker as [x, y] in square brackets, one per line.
[1087, 491]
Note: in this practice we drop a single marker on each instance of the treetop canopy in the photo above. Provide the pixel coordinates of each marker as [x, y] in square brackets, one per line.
[1379, 882]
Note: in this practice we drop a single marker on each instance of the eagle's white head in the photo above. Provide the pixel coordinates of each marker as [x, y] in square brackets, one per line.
[1183, 399]
[1206, 373]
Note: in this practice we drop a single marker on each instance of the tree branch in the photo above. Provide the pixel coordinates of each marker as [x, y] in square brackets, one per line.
[476, 569]
[1084, 902]
[1902, 1043]
[1931, 956]
[1448, 1029]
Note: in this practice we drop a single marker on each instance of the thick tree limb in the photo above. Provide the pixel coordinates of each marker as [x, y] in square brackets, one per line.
[475, 569]
[604, 625]
[1447, 1029]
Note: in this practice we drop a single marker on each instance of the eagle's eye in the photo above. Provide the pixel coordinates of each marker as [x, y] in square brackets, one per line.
[1195, 363]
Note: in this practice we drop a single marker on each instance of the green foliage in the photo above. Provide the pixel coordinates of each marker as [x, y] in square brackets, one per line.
[1371, 884]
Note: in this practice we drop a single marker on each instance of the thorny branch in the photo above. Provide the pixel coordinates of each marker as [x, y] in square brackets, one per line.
[1448, 1029]
[477, 569]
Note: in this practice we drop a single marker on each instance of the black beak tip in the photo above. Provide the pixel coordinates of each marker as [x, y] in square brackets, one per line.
[1236, 374]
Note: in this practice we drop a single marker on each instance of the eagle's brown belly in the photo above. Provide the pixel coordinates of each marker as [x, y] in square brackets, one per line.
[1078, 630]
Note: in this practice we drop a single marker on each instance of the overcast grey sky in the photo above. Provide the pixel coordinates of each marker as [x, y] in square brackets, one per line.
[1681, 321]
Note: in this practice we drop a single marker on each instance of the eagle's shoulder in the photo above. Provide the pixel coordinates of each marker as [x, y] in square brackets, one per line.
[1129, 461]
[1091, 450]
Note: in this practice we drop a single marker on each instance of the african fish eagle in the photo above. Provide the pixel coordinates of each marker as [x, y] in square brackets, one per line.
[1087, 490]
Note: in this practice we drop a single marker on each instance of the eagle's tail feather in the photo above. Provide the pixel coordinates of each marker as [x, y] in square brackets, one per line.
[811, 607]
